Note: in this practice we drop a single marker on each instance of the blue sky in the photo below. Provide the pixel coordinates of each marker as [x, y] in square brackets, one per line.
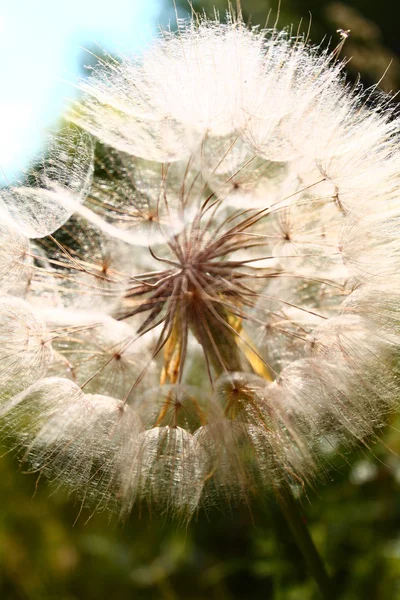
[41, 57]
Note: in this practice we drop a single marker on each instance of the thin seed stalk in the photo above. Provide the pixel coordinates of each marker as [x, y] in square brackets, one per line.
[304, 541]
[228, 348]
[213, 331]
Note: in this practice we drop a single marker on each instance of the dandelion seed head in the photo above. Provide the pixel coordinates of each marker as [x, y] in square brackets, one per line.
[204, 274]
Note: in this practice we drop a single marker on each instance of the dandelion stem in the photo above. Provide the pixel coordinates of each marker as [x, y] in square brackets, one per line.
[304, 542]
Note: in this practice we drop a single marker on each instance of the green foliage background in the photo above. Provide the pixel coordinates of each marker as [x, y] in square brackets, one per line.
[51, 551]
[48, 551]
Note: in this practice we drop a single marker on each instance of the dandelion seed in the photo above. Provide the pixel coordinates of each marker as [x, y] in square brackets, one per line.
[25, 351]
[200, 310]
[166, 470]
[80, 439]
[38, 209]
[14, 256]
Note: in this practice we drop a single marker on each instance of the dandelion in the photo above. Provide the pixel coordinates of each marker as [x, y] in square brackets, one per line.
[190, 315]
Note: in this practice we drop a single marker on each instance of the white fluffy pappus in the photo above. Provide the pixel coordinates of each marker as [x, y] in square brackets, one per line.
[201, 301]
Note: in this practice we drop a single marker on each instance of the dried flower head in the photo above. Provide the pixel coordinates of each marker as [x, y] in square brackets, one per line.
[191, 313]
